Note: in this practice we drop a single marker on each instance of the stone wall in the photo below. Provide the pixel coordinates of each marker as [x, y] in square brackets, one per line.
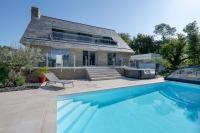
[101, 58]
[65, 73]
[70, 73]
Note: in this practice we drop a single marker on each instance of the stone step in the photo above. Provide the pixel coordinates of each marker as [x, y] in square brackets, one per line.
[102, 73]
[93, 72]
[101, 70]
[105, 78]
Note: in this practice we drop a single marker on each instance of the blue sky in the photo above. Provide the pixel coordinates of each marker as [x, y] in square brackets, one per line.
[129, 16]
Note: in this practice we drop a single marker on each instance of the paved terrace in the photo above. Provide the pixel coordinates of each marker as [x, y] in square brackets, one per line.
[34, 111]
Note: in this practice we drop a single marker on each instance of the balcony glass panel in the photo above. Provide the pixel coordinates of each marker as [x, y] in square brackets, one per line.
[81, 37]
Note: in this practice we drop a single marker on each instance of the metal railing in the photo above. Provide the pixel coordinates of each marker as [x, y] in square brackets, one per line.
[72, 61]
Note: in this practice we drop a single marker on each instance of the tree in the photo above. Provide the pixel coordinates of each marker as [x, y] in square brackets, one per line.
[158, 44]
[126, 37]
[143, 44]
[164, 30]
[191, 28]
[16, 58]
[192, 31]
[174, 51]
[12, 60]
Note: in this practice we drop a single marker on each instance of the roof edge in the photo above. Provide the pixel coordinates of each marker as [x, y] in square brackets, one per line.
[38, 40]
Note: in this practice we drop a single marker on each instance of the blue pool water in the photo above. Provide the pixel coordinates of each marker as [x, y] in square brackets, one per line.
[168, 107]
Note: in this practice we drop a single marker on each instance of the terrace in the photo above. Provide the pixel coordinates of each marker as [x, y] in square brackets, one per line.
[34, 111]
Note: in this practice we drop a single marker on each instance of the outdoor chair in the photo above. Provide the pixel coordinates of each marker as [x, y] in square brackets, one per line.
[53, 79]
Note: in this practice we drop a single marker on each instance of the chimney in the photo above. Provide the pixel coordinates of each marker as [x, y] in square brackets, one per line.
[35, 13]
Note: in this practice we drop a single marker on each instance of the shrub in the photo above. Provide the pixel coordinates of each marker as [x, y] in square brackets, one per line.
[12, 75]
[20, 80]
[3, 74]
[17, 57]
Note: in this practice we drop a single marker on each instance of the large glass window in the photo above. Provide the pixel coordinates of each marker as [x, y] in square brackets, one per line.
[88, 58]
[81, 37]
[59, 58]
[111, 59]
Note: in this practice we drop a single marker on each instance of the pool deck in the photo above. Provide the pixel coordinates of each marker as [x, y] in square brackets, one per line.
[34, 111]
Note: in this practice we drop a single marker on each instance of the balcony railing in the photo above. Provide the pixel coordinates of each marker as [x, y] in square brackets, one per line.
[72, 61]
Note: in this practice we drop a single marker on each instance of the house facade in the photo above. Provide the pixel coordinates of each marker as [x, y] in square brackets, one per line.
[65, 43]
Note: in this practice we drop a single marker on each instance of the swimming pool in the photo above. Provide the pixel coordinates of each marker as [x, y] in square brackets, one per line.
[167, 107]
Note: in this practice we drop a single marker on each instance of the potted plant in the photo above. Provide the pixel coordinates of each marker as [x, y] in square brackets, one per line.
[41, 72]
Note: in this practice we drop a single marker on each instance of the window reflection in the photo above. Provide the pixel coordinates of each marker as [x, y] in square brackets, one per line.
[59, 58]
[81, 37]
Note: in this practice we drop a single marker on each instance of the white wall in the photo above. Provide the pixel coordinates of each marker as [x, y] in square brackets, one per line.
[147, 65]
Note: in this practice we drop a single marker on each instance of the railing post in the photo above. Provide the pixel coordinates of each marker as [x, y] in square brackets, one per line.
[74, 62]
[122, 61]
[113, 60]
[47, 60]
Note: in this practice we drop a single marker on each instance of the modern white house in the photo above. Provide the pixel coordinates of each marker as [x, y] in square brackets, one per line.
[69, 43]
[74, 50]
[81, 50]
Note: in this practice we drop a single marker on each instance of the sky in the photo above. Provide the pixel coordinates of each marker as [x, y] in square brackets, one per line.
[127, 16]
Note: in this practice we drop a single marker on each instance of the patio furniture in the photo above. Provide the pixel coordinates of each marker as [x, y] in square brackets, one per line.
[53, 79]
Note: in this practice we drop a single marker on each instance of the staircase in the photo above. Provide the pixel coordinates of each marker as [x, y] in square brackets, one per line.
[73, 116]
[102, 73]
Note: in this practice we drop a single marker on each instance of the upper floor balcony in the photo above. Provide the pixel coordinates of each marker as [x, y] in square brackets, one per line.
[81, 37]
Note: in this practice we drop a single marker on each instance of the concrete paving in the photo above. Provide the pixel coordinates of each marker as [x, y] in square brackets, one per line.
[34, 111]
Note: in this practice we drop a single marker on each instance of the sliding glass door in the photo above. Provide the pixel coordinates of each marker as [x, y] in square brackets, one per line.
[111, 59]
[88, 58]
